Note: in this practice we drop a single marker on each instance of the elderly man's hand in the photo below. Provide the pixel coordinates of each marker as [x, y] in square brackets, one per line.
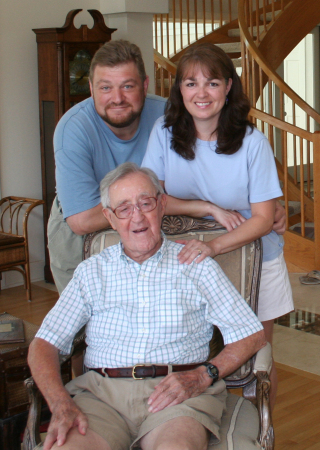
[65, 416]
[177, 387]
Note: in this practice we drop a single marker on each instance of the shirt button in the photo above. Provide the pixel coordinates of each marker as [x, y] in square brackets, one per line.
[139, 356]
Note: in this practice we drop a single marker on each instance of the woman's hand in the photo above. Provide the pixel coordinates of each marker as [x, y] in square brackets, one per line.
[201, 208]
[194, 250]
[228, 218]
[197, 251]
[280, 217]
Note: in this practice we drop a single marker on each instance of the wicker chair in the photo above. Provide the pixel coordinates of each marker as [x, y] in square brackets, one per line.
[14, 248]
[247, 423]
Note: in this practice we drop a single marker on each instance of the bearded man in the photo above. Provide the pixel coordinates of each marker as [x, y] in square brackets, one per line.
[93, 138]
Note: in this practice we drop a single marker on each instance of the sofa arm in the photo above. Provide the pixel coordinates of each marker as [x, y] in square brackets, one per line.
[31, 436]
[262, 369]
[266, 436]
[257, 391]
[263, 361]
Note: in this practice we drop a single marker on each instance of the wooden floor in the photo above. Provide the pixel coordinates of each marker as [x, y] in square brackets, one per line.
[14, 301]
[297, 413]
[296, 416]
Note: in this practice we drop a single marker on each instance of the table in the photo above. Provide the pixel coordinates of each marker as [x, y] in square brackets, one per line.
[14, 401]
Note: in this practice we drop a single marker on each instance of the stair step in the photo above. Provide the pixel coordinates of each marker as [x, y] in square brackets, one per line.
[309, 229]
[235, 32]
[294, 207]
[269, 16]
[165, 83]
[237, 62]
[230, 47]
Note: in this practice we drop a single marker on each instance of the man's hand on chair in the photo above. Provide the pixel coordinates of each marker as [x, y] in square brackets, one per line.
[65, 415]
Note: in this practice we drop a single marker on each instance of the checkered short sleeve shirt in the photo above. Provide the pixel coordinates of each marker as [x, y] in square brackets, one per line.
[158, 312]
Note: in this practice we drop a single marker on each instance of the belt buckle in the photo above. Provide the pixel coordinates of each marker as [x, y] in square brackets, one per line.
[133, 371]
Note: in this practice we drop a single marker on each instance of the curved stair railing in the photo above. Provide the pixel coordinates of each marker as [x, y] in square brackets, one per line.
[188, 21]
[297, 149]
[164, 73]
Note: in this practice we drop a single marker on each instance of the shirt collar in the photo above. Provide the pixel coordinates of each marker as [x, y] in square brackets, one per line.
[157, 256]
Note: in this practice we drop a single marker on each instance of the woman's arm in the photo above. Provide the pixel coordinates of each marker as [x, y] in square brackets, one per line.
[200, 208]
[258, 225]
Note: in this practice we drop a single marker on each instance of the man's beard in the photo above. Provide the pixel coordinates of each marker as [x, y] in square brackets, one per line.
[122, 122]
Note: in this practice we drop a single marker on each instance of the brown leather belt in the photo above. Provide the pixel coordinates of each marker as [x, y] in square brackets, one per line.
[141, 371]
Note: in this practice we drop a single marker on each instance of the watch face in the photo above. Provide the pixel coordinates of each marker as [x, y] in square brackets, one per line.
[214, 371]
[79, 73]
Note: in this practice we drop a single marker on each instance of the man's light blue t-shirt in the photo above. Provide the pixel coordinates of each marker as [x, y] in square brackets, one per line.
[230, 181]
[86, 150]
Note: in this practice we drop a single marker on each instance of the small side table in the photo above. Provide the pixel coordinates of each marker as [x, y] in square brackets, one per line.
[14, 401]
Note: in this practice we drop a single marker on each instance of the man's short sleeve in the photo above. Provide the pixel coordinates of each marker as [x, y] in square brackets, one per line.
[68, 316]
[225, 307]
[263, 180]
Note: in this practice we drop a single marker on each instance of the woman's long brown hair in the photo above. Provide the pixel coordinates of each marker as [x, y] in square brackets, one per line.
[233, 120]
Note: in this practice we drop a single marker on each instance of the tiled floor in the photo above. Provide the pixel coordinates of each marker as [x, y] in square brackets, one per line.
[296, 342]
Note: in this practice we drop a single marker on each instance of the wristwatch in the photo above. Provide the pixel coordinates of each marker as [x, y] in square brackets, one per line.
[212, 370]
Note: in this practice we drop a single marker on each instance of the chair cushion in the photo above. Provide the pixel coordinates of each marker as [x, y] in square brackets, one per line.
[239, 426]
[9, 239]
[12, 250]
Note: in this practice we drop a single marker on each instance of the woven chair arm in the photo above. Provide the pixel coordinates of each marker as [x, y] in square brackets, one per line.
[33, 204]
[12, 207]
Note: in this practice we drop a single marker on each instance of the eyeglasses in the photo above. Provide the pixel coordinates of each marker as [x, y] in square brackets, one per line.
[144, 205]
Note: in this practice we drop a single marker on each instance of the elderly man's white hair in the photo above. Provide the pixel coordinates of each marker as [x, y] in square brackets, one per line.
[121, 172]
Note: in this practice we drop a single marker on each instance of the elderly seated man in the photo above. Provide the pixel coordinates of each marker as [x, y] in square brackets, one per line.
[149, 320]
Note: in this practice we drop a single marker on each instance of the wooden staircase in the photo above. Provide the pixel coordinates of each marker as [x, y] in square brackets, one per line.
[258, 39]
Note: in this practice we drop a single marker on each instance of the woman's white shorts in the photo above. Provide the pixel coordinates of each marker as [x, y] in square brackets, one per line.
[275, 297]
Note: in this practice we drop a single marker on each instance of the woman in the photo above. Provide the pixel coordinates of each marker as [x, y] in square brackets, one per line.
[205, 148]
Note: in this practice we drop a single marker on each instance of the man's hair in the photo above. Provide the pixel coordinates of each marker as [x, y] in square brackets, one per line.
[233, 120]
[121, 172]
[114, 53]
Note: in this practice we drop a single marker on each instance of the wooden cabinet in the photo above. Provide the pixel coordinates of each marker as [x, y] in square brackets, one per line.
[64, 56]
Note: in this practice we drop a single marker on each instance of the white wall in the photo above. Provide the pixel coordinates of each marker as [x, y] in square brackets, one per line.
[20, 168]
[138, 25]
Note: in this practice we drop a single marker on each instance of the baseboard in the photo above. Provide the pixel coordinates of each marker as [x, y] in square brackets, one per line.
[13, 278]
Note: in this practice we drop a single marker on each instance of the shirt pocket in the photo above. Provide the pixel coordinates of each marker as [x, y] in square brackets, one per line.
[178, 311]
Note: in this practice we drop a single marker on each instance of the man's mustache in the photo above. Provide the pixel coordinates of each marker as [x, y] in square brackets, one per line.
[113, 104]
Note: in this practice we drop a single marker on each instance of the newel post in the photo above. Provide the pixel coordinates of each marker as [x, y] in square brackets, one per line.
[316, 187]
